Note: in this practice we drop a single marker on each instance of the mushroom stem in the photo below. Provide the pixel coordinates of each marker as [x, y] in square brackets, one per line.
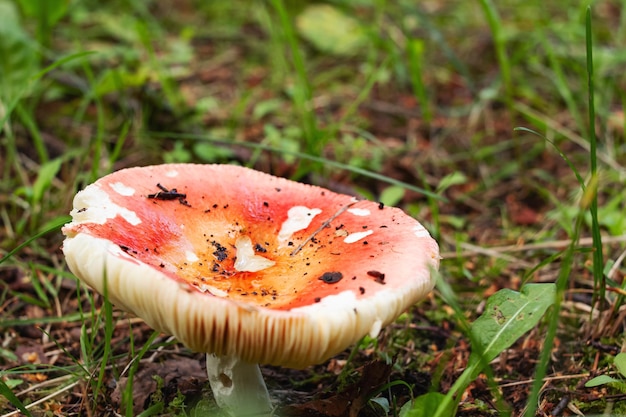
[238, 386]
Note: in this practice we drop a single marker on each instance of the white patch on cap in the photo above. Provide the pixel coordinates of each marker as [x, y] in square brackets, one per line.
[355, 237]
[420, 231]
[171, 174]
[122, 189]
[359, 211]
[247, 260]
[191, 256]
[298, 218]
[93, 205]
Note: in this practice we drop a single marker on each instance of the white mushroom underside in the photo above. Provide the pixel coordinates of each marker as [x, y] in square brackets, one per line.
[306, 335]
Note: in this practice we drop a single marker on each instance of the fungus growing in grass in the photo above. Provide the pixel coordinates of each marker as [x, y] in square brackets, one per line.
[247, 267]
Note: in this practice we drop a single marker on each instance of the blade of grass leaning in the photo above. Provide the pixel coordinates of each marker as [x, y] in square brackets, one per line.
[127, 394]
[51, 227]
[598, 259]
[301, 155]
[6, 392]
[569, 163]
[107, 308]
[588, 200]
[562, 284]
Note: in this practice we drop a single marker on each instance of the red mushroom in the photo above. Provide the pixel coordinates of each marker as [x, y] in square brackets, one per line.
[247, 267]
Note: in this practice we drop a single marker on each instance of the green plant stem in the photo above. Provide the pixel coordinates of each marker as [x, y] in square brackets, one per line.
[415, 55]
[554, 314]
[598, 261]
[493, 19]
[127, 394]
[31, 125]
[98, 142]
[302, 93]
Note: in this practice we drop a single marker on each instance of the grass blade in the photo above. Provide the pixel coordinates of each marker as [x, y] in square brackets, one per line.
[8, 394]
[301, 155]
[52, 227]
[598, 261]
[499, 40]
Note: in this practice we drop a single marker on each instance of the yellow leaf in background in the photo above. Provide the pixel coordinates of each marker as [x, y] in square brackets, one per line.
[330, 30]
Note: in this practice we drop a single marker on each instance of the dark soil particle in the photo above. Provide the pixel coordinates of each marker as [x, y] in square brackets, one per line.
[379, 277]
[331, 277]
[220, 252]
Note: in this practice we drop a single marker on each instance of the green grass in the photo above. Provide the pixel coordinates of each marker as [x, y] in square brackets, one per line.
[499, 126]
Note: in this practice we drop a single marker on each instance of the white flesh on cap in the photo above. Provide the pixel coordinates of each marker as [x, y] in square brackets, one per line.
[247, 261]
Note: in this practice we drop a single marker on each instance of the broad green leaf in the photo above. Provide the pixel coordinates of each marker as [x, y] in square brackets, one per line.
[600, 380]
[265, 107]
[392, 195]
[117, 79]
[382, 403]
[330, 30]
[454, 178]
[508, 315]
[44, 178]
[211, 153]
[620, 363]
[13, 383]
[423, 406]
[7, 354]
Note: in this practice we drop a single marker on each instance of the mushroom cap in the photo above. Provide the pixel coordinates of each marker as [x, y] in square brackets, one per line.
[237, 262]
